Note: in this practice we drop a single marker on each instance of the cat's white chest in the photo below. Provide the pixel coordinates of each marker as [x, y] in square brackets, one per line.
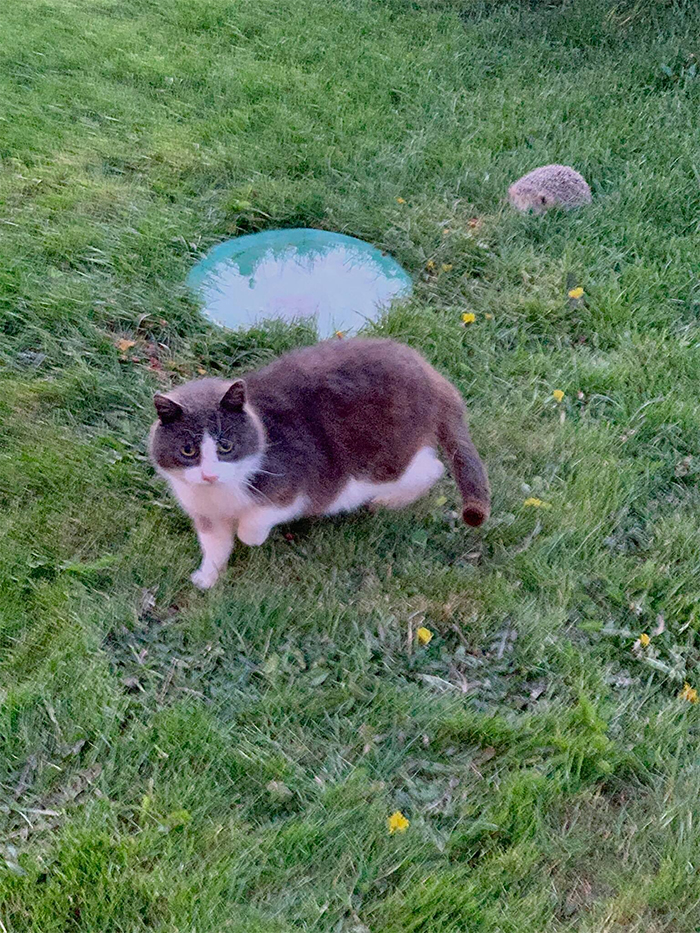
[228, 498]
[219, 500]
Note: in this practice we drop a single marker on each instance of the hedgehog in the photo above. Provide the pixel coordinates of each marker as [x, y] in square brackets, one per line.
[549, 186]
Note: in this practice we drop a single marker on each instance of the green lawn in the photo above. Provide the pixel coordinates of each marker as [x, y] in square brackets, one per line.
[191, 763]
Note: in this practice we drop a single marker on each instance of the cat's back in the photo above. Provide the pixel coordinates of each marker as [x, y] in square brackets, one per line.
[349, 406]
[341, 373]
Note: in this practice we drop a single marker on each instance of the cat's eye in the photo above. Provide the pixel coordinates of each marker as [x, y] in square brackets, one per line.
[224, 446]
[188, 450]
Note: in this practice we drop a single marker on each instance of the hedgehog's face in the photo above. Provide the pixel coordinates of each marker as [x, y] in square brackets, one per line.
[539, 201]
[528, 198]
[542, 202]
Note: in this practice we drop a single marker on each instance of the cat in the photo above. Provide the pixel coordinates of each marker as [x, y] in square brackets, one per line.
[322, 430]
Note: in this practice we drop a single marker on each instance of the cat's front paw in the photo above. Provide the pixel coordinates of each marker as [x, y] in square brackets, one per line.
[205, 577]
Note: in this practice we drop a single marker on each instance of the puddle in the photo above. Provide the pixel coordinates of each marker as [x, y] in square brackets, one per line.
[340, 281]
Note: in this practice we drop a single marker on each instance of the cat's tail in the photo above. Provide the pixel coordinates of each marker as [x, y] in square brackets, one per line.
[468, 470]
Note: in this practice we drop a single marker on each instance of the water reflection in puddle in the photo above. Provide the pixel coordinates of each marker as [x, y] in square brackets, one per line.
[340, 281]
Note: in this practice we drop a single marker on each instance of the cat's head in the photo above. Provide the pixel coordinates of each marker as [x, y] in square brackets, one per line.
[205, 433]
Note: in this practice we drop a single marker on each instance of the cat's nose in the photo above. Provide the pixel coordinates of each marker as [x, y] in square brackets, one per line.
[209, 477]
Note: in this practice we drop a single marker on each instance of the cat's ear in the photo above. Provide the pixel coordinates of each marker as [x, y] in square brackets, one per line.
[234, 399]
[168, 410]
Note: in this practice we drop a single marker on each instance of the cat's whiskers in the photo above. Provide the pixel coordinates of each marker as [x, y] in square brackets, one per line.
[249, 486]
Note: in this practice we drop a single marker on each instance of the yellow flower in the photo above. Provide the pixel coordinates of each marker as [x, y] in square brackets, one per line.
[447, 267]
[468, 317]
[424, 635]
[688, 693]
[400, 201]
[644, 640]
[397, 823]
[576, 292]
[558, 395]
[536, 503]
[339, 334]
[430, 265]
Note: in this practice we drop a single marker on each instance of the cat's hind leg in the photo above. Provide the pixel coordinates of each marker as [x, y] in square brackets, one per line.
[256, 524]
[216, 540]
[420, 475]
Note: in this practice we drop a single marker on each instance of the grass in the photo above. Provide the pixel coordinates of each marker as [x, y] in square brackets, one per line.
[182, 762]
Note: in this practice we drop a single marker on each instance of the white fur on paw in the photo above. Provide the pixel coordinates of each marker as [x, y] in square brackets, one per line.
[252, 534]
[205, 579]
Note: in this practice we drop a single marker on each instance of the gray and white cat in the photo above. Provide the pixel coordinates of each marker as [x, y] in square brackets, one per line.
[319, 431]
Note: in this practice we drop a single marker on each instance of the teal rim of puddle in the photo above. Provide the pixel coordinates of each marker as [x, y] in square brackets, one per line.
[337, 281]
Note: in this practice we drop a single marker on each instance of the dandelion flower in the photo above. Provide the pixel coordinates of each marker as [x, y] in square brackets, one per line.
[644, 640]
[400, 201]
[576, 292]
[397, 823]
[468, 317]
[339, 334]
[688, 693]
[558, 395]
[430, 265]
[424, 635]
[535, 503]
[447, 267]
